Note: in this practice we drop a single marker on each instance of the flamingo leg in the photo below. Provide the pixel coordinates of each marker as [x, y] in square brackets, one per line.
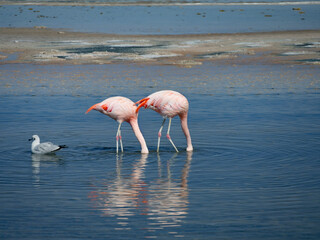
[159, 134]
[117, 138]
[168, 135]
[120, 136]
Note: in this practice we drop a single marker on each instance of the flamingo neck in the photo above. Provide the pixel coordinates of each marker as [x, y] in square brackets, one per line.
[185, 129]
[137, 132]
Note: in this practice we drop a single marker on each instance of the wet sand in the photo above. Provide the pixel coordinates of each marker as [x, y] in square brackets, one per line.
[41, 45]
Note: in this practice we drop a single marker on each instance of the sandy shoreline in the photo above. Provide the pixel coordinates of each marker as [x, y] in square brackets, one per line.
[51, 46]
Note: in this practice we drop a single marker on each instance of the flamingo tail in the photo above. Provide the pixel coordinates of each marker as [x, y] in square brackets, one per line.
[142, 103]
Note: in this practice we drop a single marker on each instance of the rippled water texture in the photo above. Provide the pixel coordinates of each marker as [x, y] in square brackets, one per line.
[254, 173]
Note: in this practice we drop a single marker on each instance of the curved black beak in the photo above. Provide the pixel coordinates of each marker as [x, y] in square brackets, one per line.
[30, 139]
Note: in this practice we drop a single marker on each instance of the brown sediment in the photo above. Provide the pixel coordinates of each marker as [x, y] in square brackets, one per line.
[51, 46]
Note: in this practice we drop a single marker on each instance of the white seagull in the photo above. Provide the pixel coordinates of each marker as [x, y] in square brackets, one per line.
[43, 148]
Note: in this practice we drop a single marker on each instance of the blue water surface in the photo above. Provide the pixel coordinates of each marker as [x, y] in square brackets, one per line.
[165, 19]
[254, 172]
[168, 2]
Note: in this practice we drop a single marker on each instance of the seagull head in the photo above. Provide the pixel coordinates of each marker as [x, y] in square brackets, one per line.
[34, 137]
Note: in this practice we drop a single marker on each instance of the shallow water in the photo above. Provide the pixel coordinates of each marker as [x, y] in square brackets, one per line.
[164, 19]
[156, 1]
[254, 173]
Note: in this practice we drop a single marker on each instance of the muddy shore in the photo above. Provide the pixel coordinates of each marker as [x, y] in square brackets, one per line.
[41, 45]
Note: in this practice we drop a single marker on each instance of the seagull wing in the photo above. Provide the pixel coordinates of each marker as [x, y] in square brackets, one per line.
[46, 147]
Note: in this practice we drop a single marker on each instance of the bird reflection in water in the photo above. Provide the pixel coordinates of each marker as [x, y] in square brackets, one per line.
[163, 200]
[168, 198]
[124, 195]
[44, 160]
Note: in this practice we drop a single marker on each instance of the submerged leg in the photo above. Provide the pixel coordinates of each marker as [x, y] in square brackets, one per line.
[159, 134]
[117, 137]
[168, 135]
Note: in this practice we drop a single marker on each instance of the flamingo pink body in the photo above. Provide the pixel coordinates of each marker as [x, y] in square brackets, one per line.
[122, 110]
[169, 104]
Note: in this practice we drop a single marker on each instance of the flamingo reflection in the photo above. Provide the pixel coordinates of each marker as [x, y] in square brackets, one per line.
[121, 197]
[164, 201]
[168, 201]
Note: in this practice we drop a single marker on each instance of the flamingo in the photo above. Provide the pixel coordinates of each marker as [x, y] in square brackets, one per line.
[169, 104]
[122, 109]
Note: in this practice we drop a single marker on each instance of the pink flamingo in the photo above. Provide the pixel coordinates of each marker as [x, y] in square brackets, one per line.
[122, 109]
[169, 104]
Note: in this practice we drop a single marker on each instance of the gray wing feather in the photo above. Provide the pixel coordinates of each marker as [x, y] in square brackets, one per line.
[46, 147]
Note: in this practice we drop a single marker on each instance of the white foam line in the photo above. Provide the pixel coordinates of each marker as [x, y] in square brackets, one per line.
[252, 44]
[160, 4]
[297, 53]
